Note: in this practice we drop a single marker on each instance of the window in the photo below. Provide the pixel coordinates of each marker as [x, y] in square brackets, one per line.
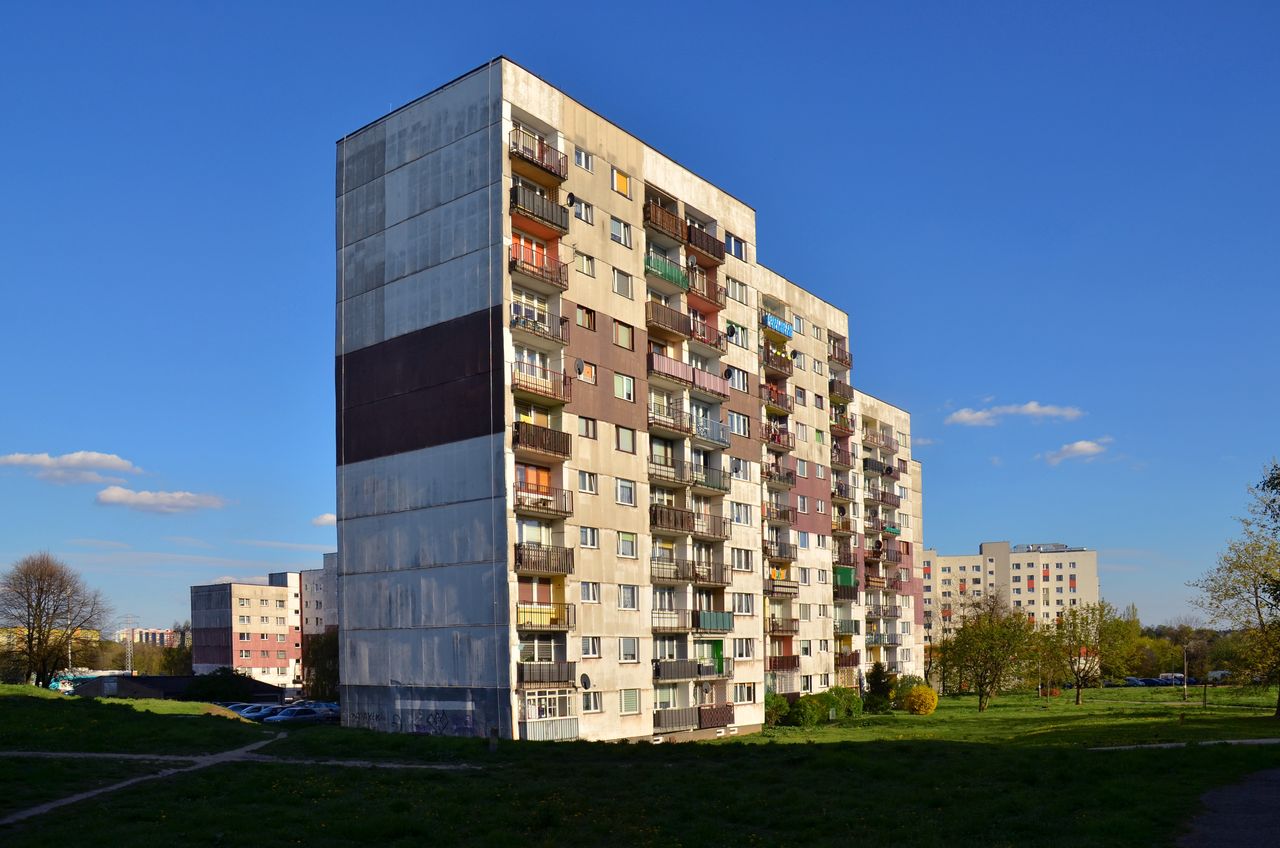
[626, 545]
[741, 513]
[244, 655]
[735, 246]
[624, 335]
[589, 537]
[590, 595]
[798, 360]
[264, 603]
[802, 432]
[584, 263]
[628, 649]
[591, 702]
[244, 637]
[744, 603]
[588, 374]
[264, 619]
[804, 576]
[803, 539]
[806, 647]
[620, 231]
[280, 620]
[584, 211]
[626, 492]
[620, 182]
[280, 604]
[741, 559]
[744, 649]
[822, 575]
[737, 335]
[802, 503]
[629, 701]
[744, 693]
[806, 683]
[621, 283]
[801, 397]
[279, 637]
[625, 439]
[821, 472]
[740, 469]
[590, 645]
[244, 602]
[584, 160]
[588, 482]
[280, 655]
[624, 387]
[244, 619]
[824, 680]
[806, 612]
[586, 318]
[628, 596]
[820, 506]
[739, 424]
[802, 468]
[587, 427]
[738, 290]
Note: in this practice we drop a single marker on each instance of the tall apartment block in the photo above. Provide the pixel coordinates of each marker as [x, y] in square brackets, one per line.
[1042, 579]
[320, 597]
[601, 474]
[253, 628]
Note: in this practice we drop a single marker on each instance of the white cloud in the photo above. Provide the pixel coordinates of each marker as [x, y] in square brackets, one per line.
[328, 519]
[288, 546]
[991, 416]
[1086, 449]
[162, 502]
[77, 467]
[98, 543]
[72, 475]
[922, 441]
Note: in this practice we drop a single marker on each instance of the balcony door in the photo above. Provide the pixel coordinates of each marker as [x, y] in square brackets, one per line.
[542, 649]
[662, 451]
[535, 590]
[664, 597]
[531, 531]
[529, 185]
[703, 553]
[704, 599]
[533, 478]
[526, 248]
[659, 297]
[531, 414]
[530, 307]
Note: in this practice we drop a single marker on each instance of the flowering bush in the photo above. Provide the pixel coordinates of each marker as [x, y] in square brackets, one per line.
[921, 700]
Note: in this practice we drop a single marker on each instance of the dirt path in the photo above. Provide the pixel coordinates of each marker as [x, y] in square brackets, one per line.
[1244, 815]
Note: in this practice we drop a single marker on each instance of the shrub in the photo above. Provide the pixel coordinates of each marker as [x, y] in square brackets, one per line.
[902, 685]
[776, 708]
[880, 681]
[809, 711]
[847, 702]
[920, 700]
[876, 704]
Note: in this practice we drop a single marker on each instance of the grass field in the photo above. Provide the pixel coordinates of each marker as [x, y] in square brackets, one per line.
[1016, 774]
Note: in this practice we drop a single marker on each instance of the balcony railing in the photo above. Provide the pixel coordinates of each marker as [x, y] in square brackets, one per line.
[715, 715]
[779, 437]
[673, 621]
[843, 526]
[705, 243]
[671, 418]
[894, 556]
[666, 318]
[884, 639]
[780, 513]
[776, 324]
[779, 550]
[709, 478]
[782, 626]
[841, 490]
[672, 369]
[675, 718]
[670, 518]
[839, 354]
[669, 470]
[711, 573]
[875, 466]
[670, 569]
[663, 220]
[540, 673]
[842, 425]
[778, 474]
[884, 496]
[526, 201]
[709, 525]
[884, 611]
[540, 265]
[841, 458]
[542, 500]
[702, 284]
[541, 381]
[844, 593]
[844, 555]
[840, 390]
[544, 325]
[848, 627]
[709, 429]
[704, 669]
[775, 361]
[781, 588]
[713, 620]
[540, 152]
[665, 269]
[532, 616]
[712, 384]
[540, 439]
[848, 659]
[776, 398]
[883, 440]
[783, 662]
[708, 335]
[549, 729]
[533, 558]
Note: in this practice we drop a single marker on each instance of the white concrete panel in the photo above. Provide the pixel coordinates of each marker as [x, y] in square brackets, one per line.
[431, 477]
[474, 531]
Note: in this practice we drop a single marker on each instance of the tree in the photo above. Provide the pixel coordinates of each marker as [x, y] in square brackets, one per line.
[1121, 634]
[989, 646]
[51, 612]
[1078, 640]
[320, 666]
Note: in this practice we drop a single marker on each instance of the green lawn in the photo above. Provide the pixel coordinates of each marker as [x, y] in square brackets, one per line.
[1018, 774]
[27, 782]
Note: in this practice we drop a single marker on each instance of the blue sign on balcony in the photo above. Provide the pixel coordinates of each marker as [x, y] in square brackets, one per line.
[773, 322]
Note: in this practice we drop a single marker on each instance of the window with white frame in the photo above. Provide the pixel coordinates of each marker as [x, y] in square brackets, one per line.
[590, 592]
[744, 693]
[628, 649]
[744, 603]
[590, 646]
[589, 537]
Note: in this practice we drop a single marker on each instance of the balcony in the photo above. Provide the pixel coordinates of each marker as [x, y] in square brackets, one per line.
[715, 715]
[842, 526]
[665, 320]
[539, 266]
[534, 499]
[842, 425]
[783, 662]
[848, 659]
[874, 581]
[875, 466]
[549, 729]
[781, 588]
[711, 668]
[709, 526]
[715, 621]
[848, 627]
[884, 639]
[840, 391]
[711, 574]
[670, 569]
[779, 439]
[708, 336]
[883, 496]
[704, 382]
[844, 555]
[705, 243]
[844, 593]
[673, 471]
[712, 480]
[540, 152]
[880, 440]
[675, 718]
[841, 491]
[839, 354]
[782, 626]
[663, 221]
[894, 584]
[883, 525]
[776, 399]
[670, 518]
[841, 458]
[541, 382]
[534, 558]
[542, 441]
[670, 419]
[532, 616]
[884, 611]
[666, 270]
[710, 430]
[779, 514]
[776, 325]
[704, 291]
[776, 474]
[779, 551]
[776, 362]
[540, 208]
[665, 368]
[672, 621]
[553, 328]
[896, 556]
[546, 673]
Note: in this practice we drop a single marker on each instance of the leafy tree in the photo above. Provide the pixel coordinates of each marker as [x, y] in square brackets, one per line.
[176, 661]
[990, 644]
[222, 684]
[776, 708]
[807, 711]
[847, 702]
[1121, 634]
[903, 684]
[880, 681]
[320, 666]
[52, 614]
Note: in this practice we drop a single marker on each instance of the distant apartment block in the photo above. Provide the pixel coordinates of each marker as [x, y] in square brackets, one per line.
[320, 597]
[601, 474]
[165, 638]
[253, 628]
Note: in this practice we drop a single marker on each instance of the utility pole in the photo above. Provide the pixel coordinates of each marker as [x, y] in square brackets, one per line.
[1184, 672]
[130, 621]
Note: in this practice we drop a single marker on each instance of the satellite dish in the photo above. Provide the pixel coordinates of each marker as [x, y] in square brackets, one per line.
[578, 366]
[706, 688]
[840, 510]
[737, 464]
[585, 681]
[731, 332]
[795, 354]
[692, 261]
[728, 372]
[572, 200]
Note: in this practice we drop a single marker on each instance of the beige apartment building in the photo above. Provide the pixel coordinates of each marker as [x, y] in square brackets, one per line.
[253, 628]
[602, 474]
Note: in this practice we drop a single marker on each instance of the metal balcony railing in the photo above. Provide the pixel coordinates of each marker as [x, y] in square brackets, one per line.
[841, 490]
[665, 269]
[671, 418]
[712, 620]
[540, 439]
[848, 627]
[663, 220]
[540, 152]
[884, 611]
[675, 718]
[840, 390]
[703, 285]
[777, 398]
[838, 353]
[781, 588]
[709, 478]
[708, 335]
[710, 383]
[783, 662]
[542, 500]
[673, 369]
[711, 573]
[671, 569]
[715, 715]
[539, 264]
[782, 626]
[776, 361]
[848, 659]
[534, 558]
[666, 318]
[776, 324]
[841, 458]
[779, 550]
[780, 513]
[842, 425]
[670, 518]
[535, 616]
[843, 526]
[778, 474]
[709, 429]
[541, 673]
[777, 437]
[669, 470]
[844, 593]
[672, 621]
[542, 324]
[541, 381]
[526, 201]
[710, 525]
[705, 243]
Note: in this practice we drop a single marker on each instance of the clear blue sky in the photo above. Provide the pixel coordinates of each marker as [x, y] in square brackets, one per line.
[1072, 204]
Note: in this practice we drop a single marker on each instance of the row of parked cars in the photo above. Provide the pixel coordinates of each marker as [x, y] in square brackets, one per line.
[299, 712]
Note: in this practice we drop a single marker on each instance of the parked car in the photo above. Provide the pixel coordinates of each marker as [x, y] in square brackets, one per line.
[1220, 676]
[1133, 681]
[1156, 681]
[259, 712]
[297, 715]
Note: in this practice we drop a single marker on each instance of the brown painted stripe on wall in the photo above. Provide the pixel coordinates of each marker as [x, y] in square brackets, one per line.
[429, 387]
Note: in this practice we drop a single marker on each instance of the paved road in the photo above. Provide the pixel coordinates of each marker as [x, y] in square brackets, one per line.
[1245, 815]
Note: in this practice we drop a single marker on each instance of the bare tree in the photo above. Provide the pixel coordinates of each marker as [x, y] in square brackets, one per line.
[991, 645]
[50, 610]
